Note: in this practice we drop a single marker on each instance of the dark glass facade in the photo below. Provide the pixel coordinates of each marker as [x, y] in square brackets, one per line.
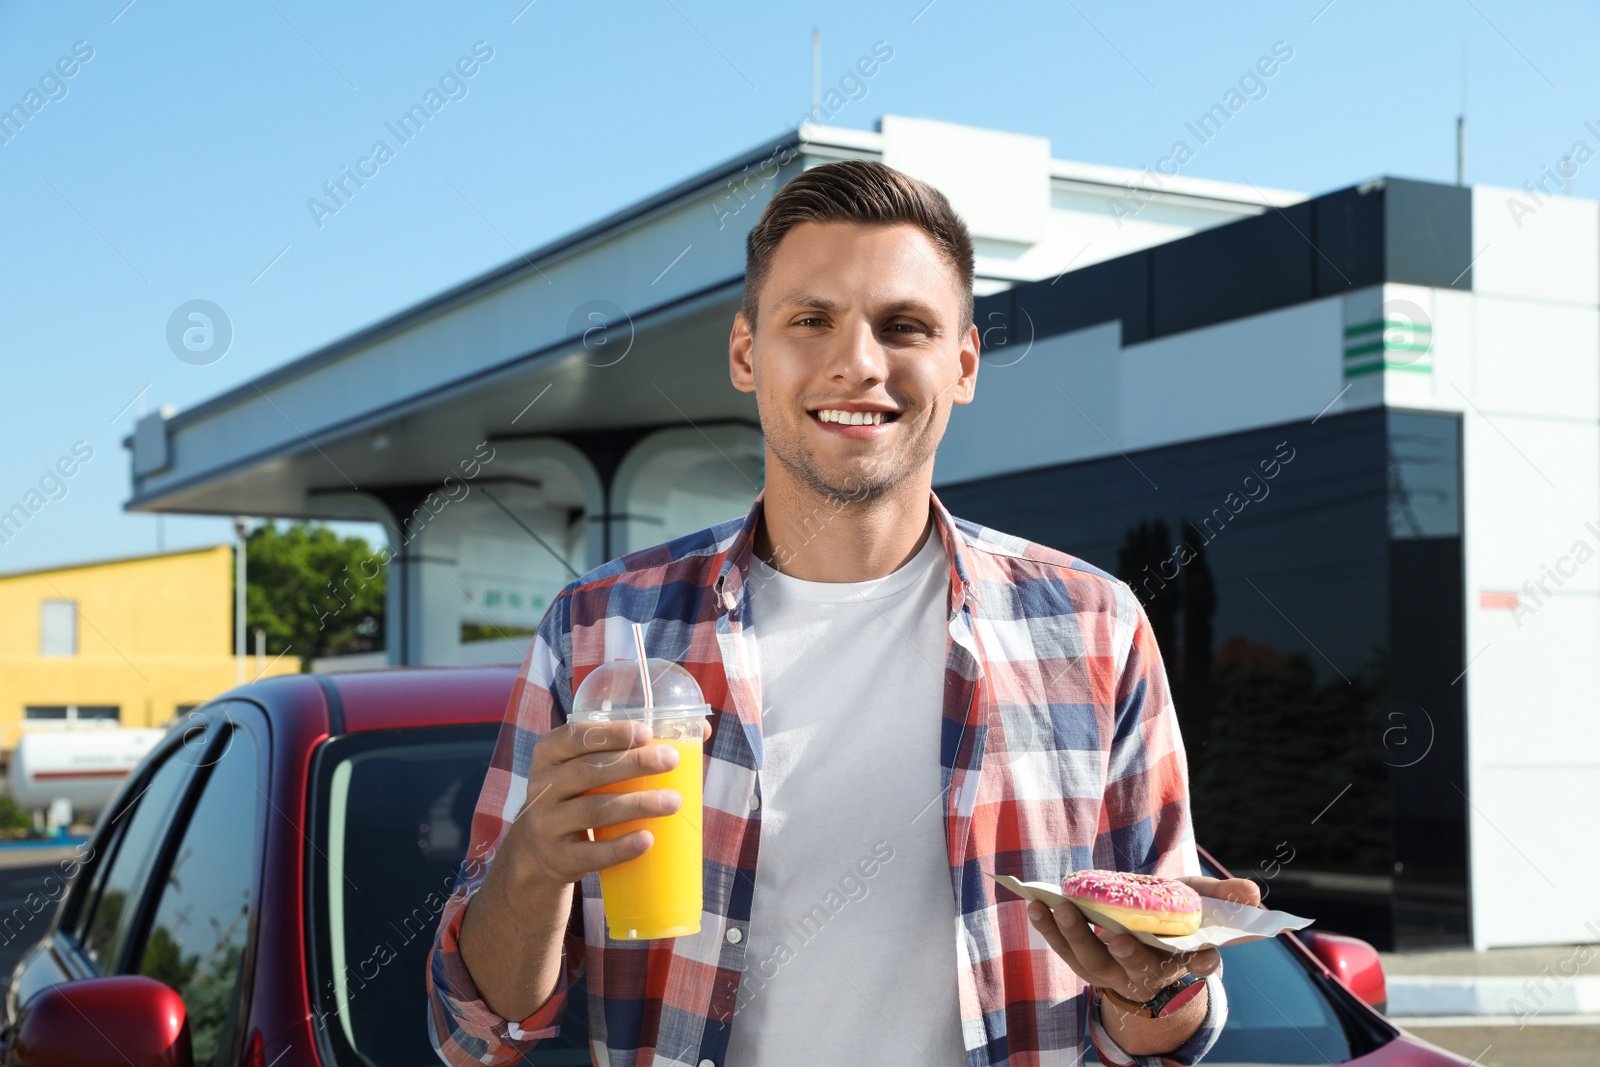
[1304, 582]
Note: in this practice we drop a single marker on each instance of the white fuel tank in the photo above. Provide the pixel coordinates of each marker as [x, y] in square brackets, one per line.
[82, 766]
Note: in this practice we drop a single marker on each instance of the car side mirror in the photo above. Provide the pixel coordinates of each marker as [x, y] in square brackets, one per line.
[103, 1022]
[1353, 962]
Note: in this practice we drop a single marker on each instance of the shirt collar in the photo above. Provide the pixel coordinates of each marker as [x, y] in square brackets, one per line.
[735, 569]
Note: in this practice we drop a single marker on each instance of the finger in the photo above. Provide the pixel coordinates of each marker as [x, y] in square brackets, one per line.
[583, 856]
[599, 769]
[1080, 943]
[600, 810]
[1236, 890]
[1240, 891]
[1039, 916]
[574, 739]
[1145, 969]
[1204, 962]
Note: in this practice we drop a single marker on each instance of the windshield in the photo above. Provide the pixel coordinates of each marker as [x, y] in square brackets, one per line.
[1275, 1013]
[392, 814]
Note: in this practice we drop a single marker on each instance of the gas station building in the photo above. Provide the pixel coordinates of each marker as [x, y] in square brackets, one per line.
[1346, 449]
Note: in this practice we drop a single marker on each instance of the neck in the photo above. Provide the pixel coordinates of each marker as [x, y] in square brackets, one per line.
[819, 538]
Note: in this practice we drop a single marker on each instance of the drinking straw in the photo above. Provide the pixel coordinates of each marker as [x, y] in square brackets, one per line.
[644, 671]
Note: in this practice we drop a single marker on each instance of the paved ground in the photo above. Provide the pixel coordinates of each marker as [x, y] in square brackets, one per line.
[1546, 1040]
[1506, 1046]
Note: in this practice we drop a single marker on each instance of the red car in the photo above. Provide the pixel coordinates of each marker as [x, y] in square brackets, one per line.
[265, 887]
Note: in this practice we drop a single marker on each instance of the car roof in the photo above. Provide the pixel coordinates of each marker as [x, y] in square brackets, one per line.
[389, 698]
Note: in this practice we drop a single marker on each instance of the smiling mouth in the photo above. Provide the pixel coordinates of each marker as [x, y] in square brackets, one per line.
[854, 418]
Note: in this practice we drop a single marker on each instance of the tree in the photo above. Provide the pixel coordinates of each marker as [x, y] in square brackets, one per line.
[1179, 594]
[1284, 748]
[1199, 614]
[313, 592]
[1145, 551]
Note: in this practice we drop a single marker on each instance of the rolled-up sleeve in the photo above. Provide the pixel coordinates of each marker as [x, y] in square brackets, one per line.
[464, 1029]
[1190, 1052]
[1145, 825]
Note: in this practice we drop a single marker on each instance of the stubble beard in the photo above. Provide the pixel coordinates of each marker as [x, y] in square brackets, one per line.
[875, 478]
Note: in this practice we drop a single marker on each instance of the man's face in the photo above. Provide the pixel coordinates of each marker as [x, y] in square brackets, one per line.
[857, 356]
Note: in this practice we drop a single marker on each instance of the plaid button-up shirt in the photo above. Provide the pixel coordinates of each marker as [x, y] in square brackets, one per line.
[1060, 751]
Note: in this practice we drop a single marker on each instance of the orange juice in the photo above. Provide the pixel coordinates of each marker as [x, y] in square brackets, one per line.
[658, 892]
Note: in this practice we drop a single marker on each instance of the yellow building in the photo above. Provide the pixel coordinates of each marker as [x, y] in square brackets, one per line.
[134, 641]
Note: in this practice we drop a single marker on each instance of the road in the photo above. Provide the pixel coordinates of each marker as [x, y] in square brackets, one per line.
[24, 871]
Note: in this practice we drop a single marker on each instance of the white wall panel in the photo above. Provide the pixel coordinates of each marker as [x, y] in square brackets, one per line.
[1455, 346]
[1537, 359]
[1549, 251]
[1533, 686]
[1285, 364]
[1531, 497]
[1019, 417]
[1534, 857]
[998, 182]
[1530, 486]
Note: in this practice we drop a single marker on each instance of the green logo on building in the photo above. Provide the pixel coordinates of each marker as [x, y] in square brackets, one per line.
[1388, 344]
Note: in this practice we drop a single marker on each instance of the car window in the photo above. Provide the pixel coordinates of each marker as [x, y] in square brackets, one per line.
[202, 919]
[107, 919]
[76, 920]
[1276, 1013]
[393, 821]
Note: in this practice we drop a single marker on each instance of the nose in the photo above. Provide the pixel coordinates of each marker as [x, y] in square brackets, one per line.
[856, 357]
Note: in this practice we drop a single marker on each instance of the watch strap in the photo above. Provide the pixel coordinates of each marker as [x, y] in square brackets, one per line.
[1166, 1000]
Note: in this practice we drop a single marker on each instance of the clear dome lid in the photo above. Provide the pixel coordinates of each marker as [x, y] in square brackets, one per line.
[615, 691]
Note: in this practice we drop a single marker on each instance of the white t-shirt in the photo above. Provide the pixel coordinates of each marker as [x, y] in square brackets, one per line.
[852, 952]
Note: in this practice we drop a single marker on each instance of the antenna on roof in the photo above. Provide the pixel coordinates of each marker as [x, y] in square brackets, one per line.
[1461, 123]
[816, 72]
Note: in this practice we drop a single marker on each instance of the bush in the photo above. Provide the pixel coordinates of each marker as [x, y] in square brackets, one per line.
[14, 819]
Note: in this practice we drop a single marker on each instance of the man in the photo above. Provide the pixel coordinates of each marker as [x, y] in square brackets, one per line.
[902, 704]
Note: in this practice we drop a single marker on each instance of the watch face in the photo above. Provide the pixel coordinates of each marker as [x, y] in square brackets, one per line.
[1177, 995]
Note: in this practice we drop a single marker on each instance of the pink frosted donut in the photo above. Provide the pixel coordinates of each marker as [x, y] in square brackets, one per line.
[1137, 901]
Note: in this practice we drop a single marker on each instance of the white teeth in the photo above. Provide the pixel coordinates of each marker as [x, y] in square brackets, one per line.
[853, 418]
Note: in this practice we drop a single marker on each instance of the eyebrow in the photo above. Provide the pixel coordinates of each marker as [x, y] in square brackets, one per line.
[904, 306]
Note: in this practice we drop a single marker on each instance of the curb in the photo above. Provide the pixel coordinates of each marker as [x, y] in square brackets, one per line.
[42, 843]
[1519, 997]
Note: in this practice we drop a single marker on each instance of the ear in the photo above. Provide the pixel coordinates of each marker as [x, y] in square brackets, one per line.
[966, 386]
[741, 355]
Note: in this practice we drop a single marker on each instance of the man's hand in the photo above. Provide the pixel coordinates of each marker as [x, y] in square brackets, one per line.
[1128, 966]
[512, 933]
[549, 840]
[1123, 963]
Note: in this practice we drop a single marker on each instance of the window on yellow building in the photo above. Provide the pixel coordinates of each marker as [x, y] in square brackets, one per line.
[73, 713]
[98, 713]
[58, 628]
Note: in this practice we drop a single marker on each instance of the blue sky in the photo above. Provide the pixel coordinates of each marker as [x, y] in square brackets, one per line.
[177, 162]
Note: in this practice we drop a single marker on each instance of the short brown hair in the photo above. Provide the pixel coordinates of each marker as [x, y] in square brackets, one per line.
[860, 191]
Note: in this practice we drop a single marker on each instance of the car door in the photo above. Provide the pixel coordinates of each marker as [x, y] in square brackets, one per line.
[197, 926]
[91, 928]
[178, 897]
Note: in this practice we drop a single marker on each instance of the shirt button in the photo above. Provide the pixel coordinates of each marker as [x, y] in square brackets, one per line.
[708, 1063]
[735, 935]
[755, 802]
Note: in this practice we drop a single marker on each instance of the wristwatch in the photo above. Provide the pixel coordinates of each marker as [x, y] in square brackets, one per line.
[1166, 1001]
